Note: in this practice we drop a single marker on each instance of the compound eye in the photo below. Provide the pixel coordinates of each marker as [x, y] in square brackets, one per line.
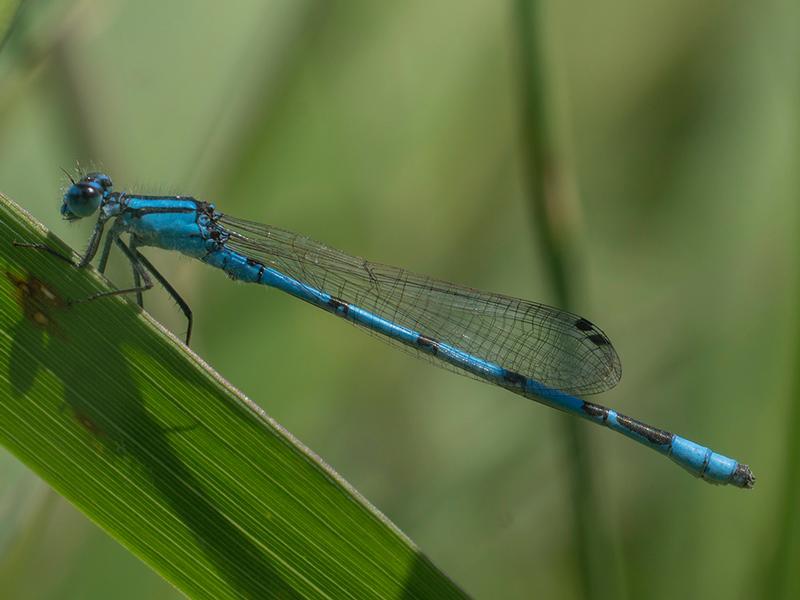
[101, 178]
[82, 199]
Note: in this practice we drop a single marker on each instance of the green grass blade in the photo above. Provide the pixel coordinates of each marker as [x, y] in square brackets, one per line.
[170, 459]
[8, 10]
[554, 222]
[780, 577]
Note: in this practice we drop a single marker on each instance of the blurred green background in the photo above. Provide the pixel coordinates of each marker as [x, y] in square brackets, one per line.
[393, 131]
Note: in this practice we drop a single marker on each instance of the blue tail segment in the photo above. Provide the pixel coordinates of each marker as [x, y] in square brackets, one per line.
[534, 350]
[698, 460]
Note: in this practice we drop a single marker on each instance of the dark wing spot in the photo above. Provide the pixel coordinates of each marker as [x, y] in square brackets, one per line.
[599, 339]
[583, 324]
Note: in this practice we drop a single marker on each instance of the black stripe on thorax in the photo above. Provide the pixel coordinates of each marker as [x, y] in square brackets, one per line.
[165, 198]
[152, 210]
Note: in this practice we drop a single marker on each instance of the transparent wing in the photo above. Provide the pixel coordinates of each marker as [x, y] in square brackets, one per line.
[557, 348]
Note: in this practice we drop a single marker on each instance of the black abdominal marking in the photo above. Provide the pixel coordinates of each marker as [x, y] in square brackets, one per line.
[595, 411]
[339, 307]
[426, 342]
[655, 436]
[514, 378]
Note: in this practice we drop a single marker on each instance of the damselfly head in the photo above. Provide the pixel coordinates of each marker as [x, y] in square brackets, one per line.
[83, 197]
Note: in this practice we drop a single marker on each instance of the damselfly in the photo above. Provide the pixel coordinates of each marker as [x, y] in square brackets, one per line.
[531, 349]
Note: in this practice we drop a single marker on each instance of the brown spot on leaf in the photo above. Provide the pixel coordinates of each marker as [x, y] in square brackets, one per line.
[88, 424]
[38, 302]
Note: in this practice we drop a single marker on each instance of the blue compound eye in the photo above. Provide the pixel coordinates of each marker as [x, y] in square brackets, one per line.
[101, 178]
[82, 199]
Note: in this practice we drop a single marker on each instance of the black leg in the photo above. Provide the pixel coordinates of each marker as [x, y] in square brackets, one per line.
[142, 261]
[148, 283]
[137, 282]
[44, 248]
[141, 266]
[91, 249]
[94, 242]
[103, 262]
[136, 278]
